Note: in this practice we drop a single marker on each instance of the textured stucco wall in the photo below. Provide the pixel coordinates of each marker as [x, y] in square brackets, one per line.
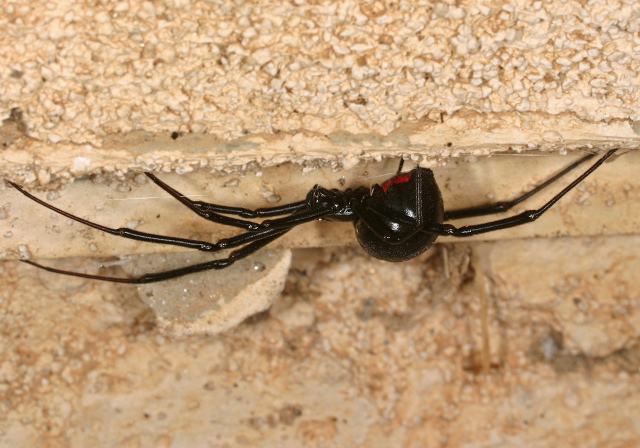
[296, 81]
[217, 87]
[355, 351]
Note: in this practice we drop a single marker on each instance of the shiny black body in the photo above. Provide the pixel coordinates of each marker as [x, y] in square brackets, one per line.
[395, 221]
[390, 221]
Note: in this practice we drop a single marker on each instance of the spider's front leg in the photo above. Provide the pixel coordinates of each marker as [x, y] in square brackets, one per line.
[319, 203]
[154, 277]
[215, 212]
[251, 242]
[124, 232]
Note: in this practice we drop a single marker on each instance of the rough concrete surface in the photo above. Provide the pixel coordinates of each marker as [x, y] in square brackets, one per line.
[520, 342]
[356, 352]
[90, 87]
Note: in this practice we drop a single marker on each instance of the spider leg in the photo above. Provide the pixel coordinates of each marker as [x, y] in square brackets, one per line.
[503, 206]
[175, 273]
[298, 218]
[154, 238]
[513, 221]
[212, 212]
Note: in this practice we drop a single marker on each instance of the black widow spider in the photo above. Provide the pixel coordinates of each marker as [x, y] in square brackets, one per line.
[395, 221]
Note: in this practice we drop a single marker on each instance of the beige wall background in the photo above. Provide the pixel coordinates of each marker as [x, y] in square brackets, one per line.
[528, 341]
[93, 89]
[101, 86]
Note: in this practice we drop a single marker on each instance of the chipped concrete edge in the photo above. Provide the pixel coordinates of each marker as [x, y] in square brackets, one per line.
[252, 299]
[32, 162]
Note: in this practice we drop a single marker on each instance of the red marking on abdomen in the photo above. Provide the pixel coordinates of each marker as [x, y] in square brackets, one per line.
[399, 179]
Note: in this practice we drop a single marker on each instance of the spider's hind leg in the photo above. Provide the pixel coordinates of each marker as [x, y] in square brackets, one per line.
[519, 219]
[503, 206]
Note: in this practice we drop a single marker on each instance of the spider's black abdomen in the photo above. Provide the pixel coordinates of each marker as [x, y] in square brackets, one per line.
[391, 222]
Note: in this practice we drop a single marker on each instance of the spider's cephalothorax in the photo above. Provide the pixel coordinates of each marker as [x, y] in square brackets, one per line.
[395, 221]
